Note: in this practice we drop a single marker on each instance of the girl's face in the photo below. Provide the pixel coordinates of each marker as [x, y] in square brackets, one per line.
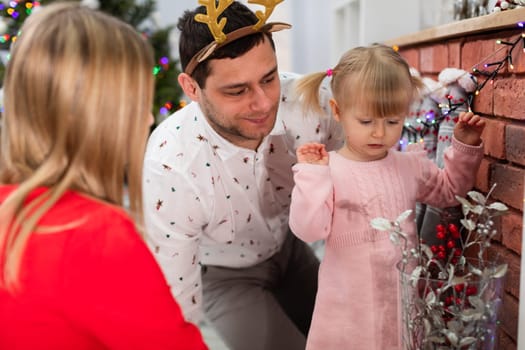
[367, 138]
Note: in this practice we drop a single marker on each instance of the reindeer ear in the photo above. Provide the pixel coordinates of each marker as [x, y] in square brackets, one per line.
[275, 27]
[206, 52]
[269, 6]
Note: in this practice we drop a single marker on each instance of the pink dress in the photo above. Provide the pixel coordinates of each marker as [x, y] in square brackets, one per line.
[357, 300]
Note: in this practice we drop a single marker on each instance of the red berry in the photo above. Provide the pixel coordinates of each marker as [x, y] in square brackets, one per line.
[454, 231]
[471, 290]
[451, 244]
[440, 235]
[459, 287]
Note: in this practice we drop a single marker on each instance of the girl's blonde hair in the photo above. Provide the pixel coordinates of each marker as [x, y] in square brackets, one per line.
[78, 93]
[376, 80]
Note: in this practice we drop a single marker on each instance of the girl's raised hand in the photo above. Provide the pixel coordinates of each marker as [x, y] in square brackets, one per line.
[312, 153]
[469, 128]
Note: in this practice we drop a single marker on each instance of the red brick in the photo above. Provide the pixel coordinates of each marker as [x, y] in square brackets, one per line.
[474, 53]
[484, 101]
[502, 255]
[494, 138]
[508, 97]
[515, 144]
[509, 189]
[509, 316]
[434, 58]
[411, 56]
[483, 176]
[511, 229]
[504, 342]
[454, 53]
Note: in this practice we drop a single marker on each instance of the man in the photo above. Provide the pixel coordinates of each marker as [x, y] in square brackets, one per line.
[217, 185]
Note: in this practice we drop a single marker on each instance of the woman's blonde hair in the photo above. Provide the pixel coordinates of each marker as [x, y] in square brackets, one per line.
[78, 92]
[374, 79]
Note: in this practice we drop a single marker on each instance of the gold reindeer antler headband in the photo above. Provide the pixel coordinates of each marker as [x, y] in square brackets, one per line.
[214, 9]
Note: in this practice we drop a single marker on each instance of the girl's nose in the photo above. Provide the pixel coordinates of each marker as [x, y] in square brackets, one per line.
[379, 129]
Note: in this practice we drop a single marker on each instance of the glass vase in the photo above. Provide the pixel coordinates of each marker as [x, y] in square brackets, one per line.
[457, 309]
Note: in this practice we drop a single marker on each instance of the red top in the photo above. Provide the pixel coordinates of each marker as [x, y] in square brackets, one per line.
[92, 286]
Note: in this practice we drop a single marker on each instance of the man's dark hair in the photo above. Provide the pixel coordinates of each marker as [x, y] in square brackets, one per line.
[196, 35]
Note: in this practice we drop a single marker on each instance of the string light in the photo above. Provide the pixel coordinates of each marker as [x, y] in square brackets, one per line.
[501, 42]
[432, 124]
[490, 75]
[157, 69]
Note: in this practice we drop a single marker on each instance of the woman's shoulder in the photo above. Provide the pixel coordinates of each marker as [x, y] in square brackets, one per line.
[86, 221]
[76, 205]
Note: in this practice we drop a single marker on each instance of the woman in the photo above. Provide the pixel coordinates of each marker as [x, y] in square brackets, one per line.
[75, 272]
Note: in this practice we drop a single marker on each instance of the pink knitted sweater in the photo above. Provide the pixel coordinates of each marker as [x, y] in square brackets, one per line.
[357, 300]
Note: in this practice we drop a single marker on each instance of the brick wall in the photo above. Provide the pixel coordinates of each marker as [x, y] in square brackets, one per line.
[502, 104]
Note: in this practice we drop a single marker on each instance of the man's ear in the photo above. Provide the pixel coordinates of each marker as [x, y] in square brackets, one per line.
[189, 86]
[335, 109]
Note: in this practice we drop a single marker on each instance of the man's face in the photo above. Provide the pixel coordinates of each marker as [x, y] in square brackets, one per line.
[242, 95]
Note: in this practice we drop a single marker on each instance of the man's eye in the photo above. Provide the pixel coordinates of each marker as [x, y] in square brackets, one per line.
[268, 80]
[235, 92]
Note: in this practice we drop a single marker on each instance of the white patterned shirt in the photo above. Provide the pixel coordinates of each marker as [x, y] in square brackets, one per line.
[209, 202]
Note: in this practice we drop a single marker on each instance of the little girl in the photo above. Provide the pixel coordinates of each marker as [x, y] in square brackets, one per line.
[337, 194]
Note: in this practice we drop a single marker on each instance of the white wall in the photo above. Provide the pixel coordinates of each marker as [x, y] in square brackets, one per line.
[320, 34]
[311, 35]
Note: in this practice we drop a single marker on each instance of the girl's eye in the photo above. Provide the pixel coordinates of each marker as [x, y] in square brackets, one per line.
[365, 122]
[393, 122]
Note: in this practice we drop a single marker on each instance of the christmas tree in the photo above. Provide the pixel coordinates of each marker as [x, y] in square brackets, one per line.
[139, 15]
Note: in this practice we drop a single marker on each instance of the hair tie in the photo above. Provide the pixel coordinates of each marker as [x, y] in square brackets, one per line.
[329, 72]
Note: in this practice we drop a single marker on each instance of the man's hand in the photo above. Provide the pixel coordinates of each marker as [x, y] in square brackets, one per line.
[312, 153]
